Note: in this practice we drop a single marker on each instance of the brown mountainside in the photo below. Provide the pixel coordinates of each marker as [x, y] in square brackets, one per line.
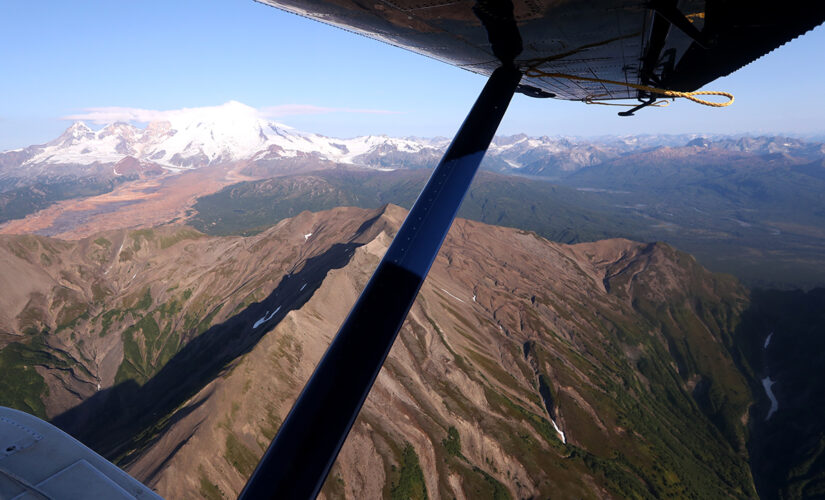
[118, 305]
[525, 369]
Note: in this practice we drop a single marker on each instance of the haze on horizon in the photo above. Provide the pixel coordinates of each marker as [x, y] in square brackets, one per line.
[68, 60]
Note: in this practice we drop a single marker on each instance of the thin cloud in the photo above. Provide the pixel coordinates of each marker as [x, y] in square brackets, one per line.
[110, 114]
[118, 114]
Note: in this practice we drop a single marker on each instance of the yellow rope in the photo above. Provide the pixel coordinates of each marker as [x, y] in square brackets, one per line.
[534, 72]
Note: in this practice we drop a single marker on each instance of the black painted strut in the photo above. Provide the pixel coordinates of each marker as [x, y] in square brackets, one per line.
[299, 458]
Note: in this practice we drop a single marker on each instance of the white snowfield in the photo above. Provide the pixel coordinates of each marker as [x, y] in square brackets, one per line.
[453, 296]
[191, 138]
[767, 384]
[196, 137]
[558, 431]
[266, 317]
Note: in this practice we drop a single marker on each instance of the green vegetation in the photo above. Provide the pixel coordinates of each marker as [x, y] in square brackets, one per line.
[21, 387]
[206, 322]
[73, 308]
[489, 487]
[145, 301]
[209, 490]
[147, 348]
[760, 219]
[107, 318]
[410, 483]
[239, 456]
[139, 346]
[179, 235]
[560, 213]
[145, 234]
[670, 445]
[271, 425]
[700, 210]
[170, 309]
[452, 443]
[103, 242]
[497, 490]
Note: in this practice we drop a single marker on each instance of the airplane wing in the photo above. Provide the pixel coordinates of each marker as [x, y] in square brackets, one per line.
[677, 45]
[38, 460]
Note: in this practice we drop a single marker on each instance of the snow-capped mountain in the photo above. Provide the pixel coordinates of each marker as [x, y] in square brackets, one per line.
[199, 137]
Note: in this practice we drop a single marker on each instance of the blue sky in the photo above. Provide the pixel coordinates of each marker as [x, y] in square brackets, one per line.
[61, 58]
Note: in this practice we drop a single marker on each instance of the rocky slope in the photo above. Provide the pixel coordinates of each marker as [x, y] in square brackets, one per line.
[525, 369]
[79, 317]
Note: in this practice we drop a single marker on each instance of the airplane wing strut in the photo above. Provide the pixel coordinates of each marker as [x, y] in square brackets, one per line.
[297, 462]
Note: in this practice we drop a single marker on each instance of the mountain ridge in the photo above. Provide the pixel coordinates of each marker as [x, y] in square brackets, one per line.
[523, 346]
[438, 341]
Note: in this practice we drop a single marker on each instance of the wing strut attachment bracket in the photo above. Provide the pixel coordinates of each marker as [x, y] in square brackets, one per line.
[650, 100]
[674, 16]
[298, 460]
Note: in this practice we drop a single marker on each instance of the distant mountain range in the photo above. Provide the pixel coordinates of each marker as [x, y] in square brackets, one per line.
[752, 206]
[196, 138]
[201, 137]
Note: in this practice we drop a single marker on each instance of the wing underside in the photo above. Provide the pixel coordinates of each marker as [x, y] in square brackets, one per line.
[677, 45]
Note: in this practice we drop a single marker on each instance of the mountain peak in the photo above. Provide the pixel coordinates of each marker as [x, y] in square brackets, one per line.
[77, 131]
[699, 142]
[78, 128]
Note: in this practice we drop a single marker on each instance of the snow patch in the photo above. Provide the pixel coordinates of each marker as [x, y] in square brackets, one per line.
[453, 296]
[767, 384]
[768, 341]
[558, 431]
[266, 317]
[306, 236]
